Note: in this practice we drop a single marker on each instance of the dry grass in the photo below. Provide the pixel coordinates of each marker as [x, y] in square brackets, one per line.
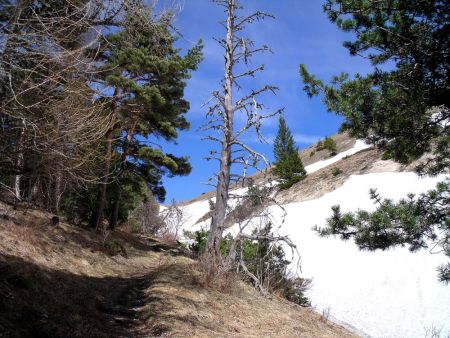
[185, 309]
[60, 281]
[169, 238]
[207, 274]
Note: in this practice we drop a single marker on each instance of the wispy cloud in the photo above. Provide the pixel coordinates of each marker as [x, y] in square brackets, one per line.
[302, 139]
[306, 139]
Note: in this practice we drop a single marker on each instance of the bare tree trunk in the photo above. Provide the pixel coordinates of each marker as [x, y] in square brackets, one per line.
[19, 162]
[57, 192]
[123, 160]
[115, 210]
[97, 215]
[33, 190]
[218, 218]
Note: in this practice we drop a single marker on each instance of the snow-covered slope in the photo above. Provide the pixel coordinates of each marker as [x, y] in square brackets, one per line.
[393, 293]
[384, 294]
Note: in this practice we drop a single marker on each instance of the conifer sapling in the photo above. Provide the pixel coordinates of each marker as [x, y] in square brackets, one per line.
[288, 166]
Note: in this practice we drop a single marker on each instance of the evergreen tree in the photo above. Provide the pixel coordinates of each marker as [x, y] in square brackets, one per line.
[288, 166]
[416, 221]
[405, 111]
[148, 76]
[83, 86]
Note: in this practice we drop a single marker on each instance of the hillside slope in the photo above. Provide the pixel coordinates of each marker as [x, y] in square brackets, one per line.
[383, 294]
[61, 281]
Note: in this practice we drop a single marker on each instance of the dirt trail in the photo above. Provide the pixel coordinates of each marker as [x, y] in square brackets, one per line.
[122, 306]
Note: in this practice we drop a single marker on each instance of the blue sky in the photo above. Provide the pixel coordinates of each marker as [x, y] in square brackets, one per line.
[301, 33]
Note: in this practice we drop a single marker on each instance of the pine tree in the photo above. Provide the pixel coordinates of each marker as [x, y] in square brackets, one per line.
[404, 110]
[148, 76]
[288, 166]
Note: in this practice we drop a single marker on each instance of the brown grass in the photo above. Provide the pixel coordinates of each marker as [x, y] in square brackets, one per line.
[60, 281]
[207, 274]
[179, 307]
[169, 238]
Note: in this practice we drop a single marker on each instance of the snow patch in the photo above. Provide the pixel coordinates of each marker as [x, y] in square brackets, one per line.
[359, 145]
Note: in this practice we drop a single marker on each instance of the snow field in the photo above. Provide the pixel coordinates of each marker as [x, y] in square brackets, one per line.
[391, 293]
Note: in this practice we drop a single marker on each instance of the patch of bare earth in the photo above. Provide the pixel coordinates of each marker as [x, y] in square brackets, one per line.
[324, 181]
[60, 281]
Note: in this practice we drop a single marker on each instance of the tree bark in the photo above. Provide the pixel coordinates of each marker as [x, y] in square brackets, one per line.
[123, 159]
[97, 215]
[218, 218]
[19, 162]
[33, 191]
[57, 192]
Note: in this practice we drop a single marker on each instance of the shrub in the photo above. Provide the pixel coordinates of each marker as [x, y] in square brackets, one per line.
[294, 290]
[200, 237]
[336, 171]
[257, 194]
[319, 146]
[169, 238]
[386, 156]
[132, 226]
[172, 219]
[261, 257]
[211, 204]
[146, 218]
[329, 144]
[209, 274]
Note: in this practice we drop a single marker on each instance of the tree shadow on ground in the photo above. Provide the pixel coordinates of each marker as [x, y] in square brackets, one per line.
[38, 302]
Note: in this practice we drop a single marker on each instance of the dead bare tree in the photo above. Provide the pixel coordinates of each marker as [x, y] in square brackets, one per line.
[173, 219]
[223, 109]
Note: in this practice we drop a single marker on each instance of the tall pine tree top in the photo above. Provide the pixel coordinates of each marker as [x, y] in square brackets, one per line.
[284, 142]
[288, 166]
